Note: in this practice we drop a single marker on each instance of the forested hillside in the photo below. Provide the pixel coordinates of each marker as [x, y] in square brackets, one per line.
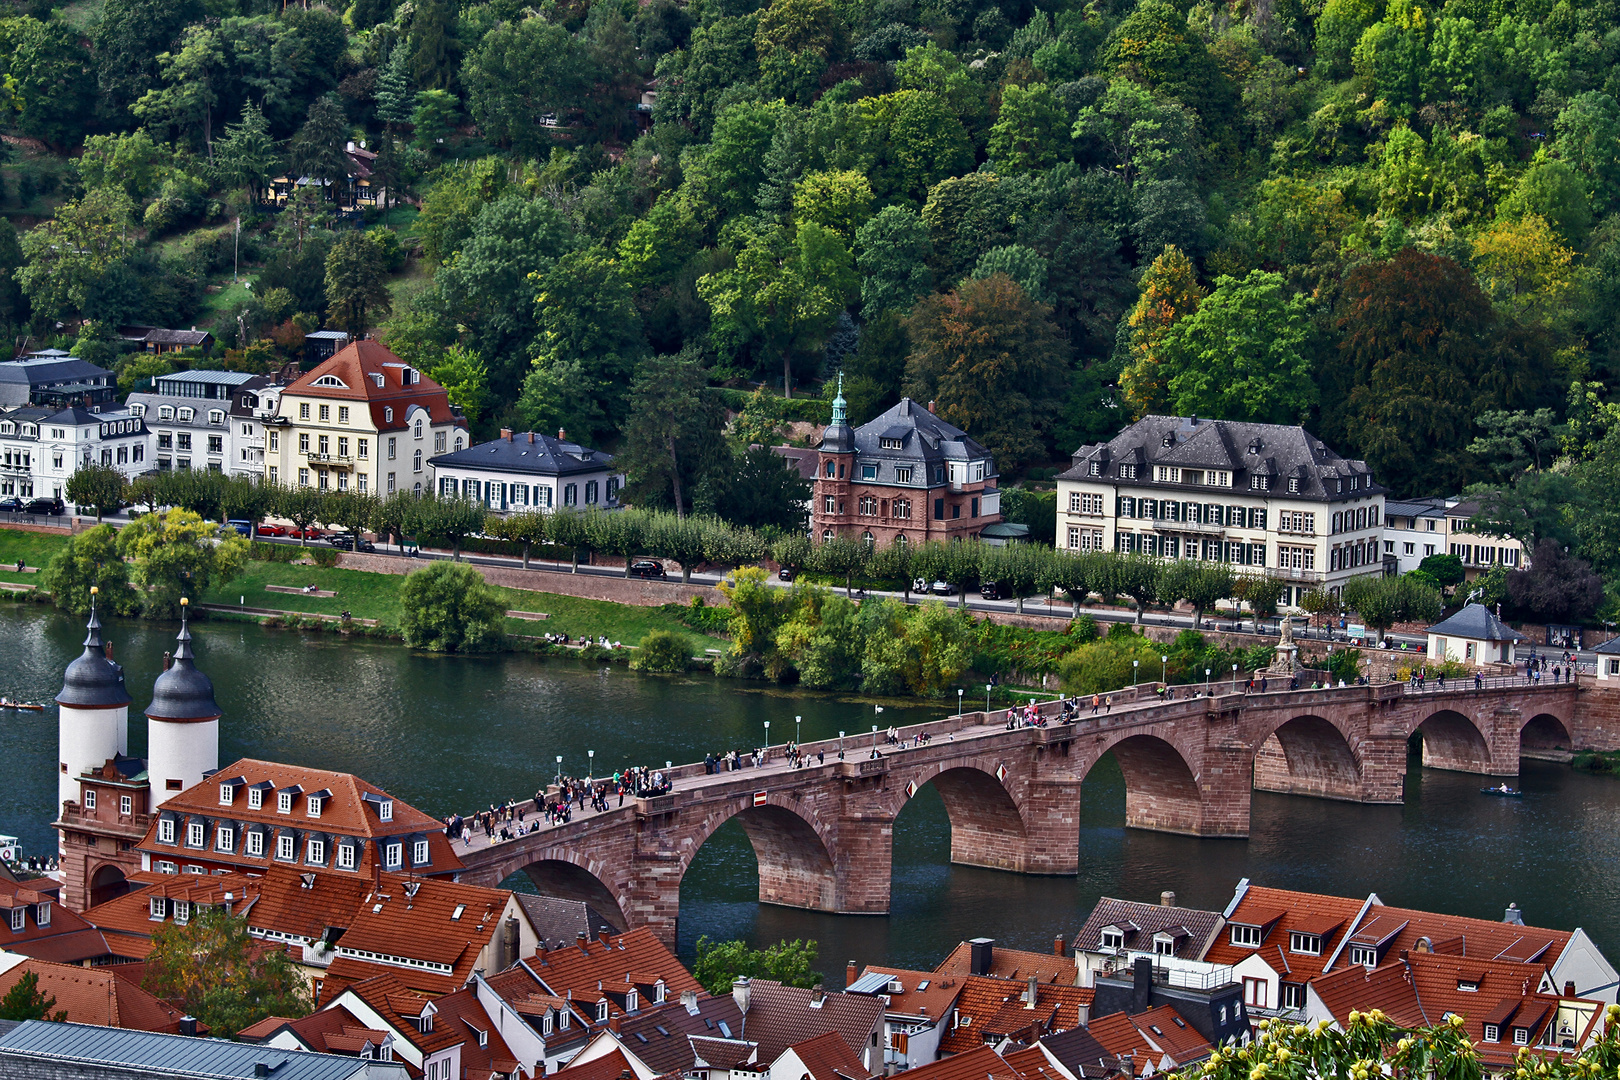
[1394, 222]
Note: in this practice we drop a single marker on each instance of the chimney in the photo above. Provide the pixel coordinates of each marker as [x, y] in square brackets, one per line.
[1405, 955]
[930, 406]
[1167, 898]
[531, 438]
[1057, 946]
[741, 993]
[981, 955]
[603, 933]
[562, 434]
[615, 1023]
[1569, 989]
[1031, 994]
[851, 973]
[506, 433]
[188, 1025]
[689, 1001]
[1511, 915]
[510, 942]
[1142, 985]
[817, 995]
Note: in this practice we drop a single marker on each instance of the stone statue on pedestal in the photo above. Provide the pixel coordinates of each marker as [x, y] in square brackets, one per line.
[1286, 661]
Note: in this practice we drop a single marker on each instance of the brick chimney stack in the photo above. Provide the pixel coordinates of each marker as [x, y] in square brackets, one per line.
[506, 433]
[851, 973]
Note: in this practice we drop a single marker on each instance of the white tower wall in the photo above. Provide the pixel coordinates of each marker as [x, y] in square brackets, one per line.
[179, 750]
[88, 737]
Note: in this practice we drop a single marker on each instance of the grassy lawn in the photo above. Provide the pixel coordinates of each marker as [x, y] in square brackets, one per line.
[376, 596]
[35, 549]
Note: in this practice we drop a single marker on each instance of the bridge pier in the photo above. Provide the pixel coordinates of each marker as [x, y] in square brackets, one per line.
[865, 865]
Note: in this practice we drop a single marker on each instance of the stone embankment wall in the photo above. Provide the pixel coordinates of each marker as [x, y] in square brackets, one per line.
[617, 590]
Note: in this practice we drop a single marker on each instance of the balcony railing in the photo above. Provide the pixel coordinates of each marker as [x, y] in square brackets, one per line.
[1288, 573]
[1166, 525]
[331, 459]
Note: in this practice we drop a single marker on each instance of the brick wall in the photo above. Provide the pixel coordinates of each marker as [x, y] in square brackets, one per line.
[617, 590]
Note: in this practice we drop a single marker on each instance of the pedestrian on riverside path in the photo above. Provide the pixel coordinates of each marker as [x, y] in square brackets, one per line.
[1479, 681]
[1109, 702]
[1096, 700]
[1262, 684]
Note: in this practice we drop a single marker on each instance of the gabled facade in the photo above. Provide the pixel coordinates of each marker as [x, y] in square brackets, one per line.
[1117, 927]
[362, 421]
[189, 415]
[906, 477]
[42, 446]
[1266, 497]
[919, 1007]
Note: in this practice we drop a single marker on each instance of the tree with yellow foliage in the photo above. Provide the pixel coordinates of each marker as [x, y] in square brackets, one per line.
[1525, 269]
[1170, 290]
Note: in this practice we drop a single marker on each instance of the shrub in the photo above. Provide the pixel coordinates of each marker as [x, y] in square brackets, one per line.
[282, 553]
[326, 556]
[663, 651]
[1083, 629]
[449, 608]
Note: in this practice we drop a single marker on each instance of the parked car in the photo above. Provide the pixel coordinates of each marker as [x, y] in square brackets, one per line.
[46, 506]
[12, 505]
[994, 590]
[787, 573]
[272, 530]
[311, 533]
[243, 528]
[646, 568]
[347, 542]
[942, 588]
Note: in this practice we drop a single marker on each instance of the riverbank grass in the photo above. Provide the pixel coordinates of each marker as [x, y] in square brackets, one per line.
[34, 549]
[376, 596]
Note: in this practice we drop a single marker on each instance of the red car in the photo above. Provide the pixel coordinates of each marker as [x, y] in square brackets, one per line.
[311, 533]
[272, 530]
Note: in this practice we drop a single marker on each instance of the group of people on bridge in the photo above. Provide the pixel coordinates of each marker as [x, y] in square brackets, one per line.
[557, 806]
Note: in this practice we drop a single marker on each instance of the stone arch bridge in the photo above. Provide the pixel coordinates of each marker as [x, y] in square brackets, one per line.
[823, 834]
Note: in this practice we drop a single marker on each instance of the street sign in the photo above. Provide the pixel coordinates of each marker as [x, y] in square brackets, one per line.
[759, 798]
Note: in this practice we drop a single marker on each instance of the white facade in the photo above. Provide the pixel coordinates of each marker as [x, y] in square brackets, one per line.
[1417, 528]
[179, 753]
[87, 738]
[527, 471]
[41, 448]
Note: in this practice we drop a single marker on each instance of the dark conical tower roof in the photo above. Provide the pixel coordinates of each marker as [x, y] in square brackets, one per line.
[182, 692]
[92, 681]
[839, 437]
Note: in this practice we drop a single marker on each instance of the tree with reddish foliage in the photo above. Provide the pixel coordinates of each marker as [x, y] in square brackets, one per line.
[1556, 587]
[994, 362]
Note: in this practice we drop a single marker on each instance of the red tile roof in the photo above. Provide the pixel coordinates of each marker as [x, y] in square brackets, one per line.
[610, 1066]
[1423, 988]
[356, 366]
[923, 994]
[1014, 964]
[65, 938]
[782, 1016]
[348, 812]
[485, 1052]
[330, 1031]
[95, 996]
[1033, 1064]
[828, 1057]
[1156, 1039]
[980, 1063]
[1285, 911]
[993, 1009]
[1482, 939]
[598, 968]
[400, 1007]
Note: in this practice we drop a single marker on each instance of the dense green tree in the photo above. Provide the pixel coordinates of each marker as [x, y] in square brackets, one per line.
[521, 72]
[356, 284]
[757, 489]
[215, 969]
[589, 346]
[317, 150]
[447, 607]
[88, 561]
[179, 554]
[992, 359]
[49, 79]
[69, 256]
[1243, 355]
[671, 434]
[1031, 131]
[433, 45]
[893, 260]
[99, 486]
[246, 156]
[720, 963]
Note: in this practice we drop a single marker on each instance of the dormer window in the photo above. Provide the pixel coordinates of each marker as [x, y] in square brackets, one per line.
[1493, 1033]
[332, 381]
[345, 856]
[187, 414]
[388, 410]
[1113, 939]
[19, 919]
[165, 412]
[1521, 1036]
[255, 798]
[166, 831]
[1247, 937]
[194, 834]
[314, 806]
[545, 1023]
[216, 416]
[1293, 485]
[1096, 468]
[1365, 955]
[1259, 483]
[601, 1012]
[225, 838]
[158, 907]
[385, 810]
[182, 911]
[658, 992]
[890, 444]
[284, 802]
[1468, 986]
[227, 793]
[1168, 475]
[1164, 946]
[419, 853]
[632, 1001]
[1305, 944]
[42, 913]
[1127, 472]
[393, 854]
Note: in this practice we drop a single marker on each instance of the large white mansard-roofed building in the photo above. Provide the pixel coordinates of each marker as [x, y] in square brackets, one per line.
[1259, 496]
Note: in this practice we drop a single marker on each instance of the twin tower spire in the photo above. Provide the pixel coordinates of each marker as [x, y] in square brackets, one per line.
[182, 741]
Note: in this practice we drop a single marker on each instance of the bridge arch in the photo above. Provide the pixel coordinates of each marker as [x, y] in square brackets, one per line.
[1308, 755]
[567, 874]
[793, 847]
[1161, 789]
[107, 883]
[1452, 740]
[987, 826]
[1545, 736]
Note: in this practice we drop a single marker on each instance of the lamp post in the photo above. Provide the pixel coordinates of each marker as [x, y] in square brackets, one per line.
[797, 720]
[1136, 672]
[1206, 682]
[559, 768]
[1164, 667]
[959, 701]
[874, 738]
[590, 769]
[767, 740]
[840, 746]
[1234, 678]
[987, 688]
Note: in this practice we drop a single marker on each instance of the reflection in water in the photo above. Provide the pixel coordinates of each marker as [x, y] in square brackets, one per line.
[454, 733]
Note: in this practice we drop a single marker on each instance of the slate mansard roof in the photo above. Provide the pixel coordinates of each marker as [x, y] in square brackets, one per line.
[528, 453]
[1280, 452]
[923, 440]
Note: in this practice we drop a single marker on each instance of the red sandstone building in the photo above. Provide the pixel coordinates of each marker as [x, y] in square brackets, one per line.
[906, 477]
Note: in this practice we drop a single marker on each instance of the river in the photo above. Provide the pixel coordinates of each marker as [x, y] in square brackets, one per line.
[452, 733]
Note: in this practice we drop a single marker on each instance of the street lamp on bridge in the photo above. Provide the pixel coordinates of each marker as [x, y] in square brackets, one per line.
[559, 768]
[1164, 666]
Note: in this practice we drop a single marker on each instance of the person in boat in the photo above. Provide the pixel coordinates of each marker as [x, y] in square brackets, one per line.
[1504, 789]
